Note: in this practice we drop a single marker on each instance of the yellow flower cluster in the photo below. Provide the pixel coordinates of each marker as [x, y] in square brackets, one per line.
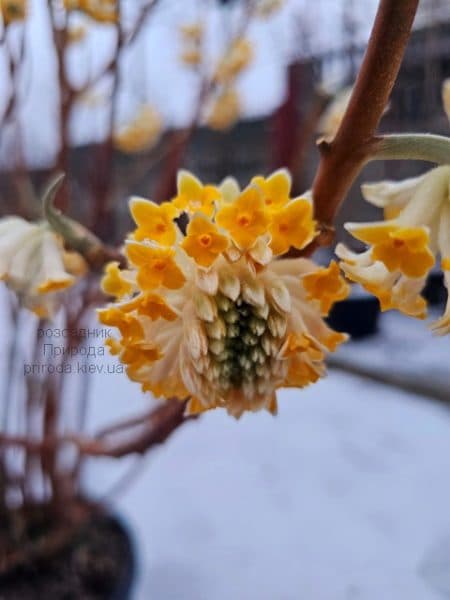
[402, 250]
[102, 11]
[13, 10]
[207, 310]
[141, 133]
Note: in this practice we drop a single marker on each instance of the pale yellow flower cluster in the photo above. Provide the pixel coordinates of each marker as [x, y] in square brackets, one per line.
[13, 10]
[35, 265]
[208, 311]
[142, 133]
[403, 249]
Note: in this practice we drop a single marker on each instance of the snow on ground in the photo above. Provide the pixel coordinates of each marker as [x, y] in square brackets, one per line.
[407, 350]
[343, 496]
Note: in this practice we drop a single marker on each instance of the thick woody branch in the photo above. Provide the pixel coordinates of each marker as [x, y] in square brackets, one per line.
[342, 159]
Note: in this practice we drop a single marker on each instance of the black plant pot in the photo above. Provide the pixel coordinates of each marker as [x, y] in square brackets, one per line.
[434, 291]
[357, 316]
[98, 563]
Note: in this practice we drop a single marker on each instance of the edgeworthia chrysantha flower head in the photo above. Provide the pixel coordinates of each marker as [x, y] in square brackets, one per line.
[35, 265]
[210, 312]
[403, 249]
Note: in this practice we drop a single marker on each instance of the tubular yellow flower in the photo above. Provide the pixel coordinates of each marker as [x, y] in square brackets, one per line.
[154, 221]
[327, 286]
[114, 283]
[245, 219]
[203, 242]
[142, 133]
[402, 250]
[193, 196]
[225, 329]
[156, 266]
[34, 264]
[276, 188]
[13, 10]
[292, 225]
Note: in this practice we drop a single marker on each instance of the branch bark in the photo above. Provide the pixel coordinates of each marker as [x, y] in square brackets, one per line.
[343, 158]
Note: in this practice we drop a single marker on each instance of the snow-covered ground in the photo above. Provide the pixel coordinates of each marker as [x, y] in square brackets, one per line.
[343, 496]
[406, 352]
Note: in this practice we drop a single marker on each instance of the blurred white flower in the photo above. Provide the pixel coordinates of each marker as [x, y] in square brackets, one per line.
[35, 265]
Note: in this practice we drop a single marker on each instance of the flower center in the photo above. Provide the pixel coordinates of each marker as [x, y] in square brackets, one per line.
[398, 243]
[161, 227]
[244, 352]
[243, 220]
[268, 201]
[205, 240]
[283, 227]
[159, 264]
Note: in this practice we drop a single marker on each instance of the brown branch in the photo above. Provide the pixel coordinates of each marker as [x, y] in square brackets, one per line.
[343, 158]
[145, 11]
[157, 427]
[162, 422]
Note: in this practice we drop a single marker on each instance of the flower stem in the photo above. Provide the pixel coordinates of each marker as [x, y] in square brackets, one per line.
[432, 148]
[343, 158]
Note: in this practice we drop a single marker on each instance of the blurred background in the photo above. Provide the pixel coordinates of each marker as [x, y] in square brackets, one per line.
[345, 494]
[120, 106]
